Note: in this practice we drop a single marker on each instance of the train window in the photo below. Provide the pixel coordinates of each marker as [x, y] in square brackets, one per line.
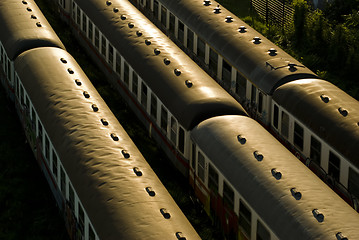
[84, 23]
[54, 164]
[190, 37]
[78, 16]
[148, 4]
[81, 218]
[134, 83]
[298, 136]
[260, 102]
[241, 86]
[97, 38]
[155, 9]
[144, 95]
[201, 49]
[262, 232]
[74, 10]
[213, 61]
[275, 116]
[181, 140]
[193, 156]
[164, 116]
[334, 166]
[103, 45]
[172, 23]
[285, 125]
[39, 133]
[90, 32]
[212, 179]
[47, 148]
[180, 31]
[353, 183]
[153, 106]
[200, 166]
[71, 197]
[253, 94]
[63, 181]
[110, 55]
[228, 195]
[91, 234]
[164, 16]
[21, 95]
[245, 218]
[173, 130]
[226, 74]
[118, 63]
[315, 150]
[126, 73]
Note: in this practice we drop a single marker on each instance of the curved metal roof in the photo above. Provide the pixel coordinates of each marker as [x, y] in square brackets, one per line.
[270, 198]
[266, 71]
[304, 99]
[23, 27]
[190, 105]
[114, 197]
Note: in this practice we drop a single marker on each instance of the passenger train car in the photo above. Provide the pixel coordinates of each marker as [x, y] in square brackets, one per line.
[101, 182]
[249, 184]
[269, 83]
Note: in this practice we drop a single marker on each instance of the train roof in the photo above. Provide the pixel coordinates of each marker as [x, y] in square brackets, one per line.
[271, 199]
[189, 103]
[326, 110]
[23, 27]
[114, 197]
[264, 69]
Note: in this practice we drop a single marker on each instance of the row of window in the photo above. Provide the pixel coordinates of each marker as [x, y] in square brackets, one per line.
[315, 149]
[131, 79]
[5, 62]
[207, 173]
[53, 162]
[231, 78]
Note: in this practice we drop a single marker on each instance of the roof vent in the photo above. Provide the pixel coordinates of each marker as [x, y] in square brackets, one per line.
[115, 10]
[272, 52]
[157, 51]
[125, 154]
[177, 72]
[228, 19]
[180, 236]
[63, 60]
[33, 16]
[123, 17]
[165, 214]
[358, 124]
[166, 61]
[78, 82]
[29, 9]
[70, 71]
[24, 2]
[242, 29]
[86, 94]
[318, 215]
[217, 10]
[241, 139]
[150, 191]
[343, 111]
[292, 66]
[38, 24]
[188, 83]
[256, 40]
[324, 98]
[137, 171]
[207, 2]
[139, 33]
[108, 3]
[131, 25]
[297, 195]
[114, 136]
[276, 174]
[148, 42]
[94, 107]
[104, 122]
[258, 155]
[340, 236]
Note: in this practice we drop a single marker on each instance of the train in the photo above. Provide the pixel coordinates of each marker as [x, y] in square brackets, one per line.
[101, 183]
[247, 181]
[316, 120]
